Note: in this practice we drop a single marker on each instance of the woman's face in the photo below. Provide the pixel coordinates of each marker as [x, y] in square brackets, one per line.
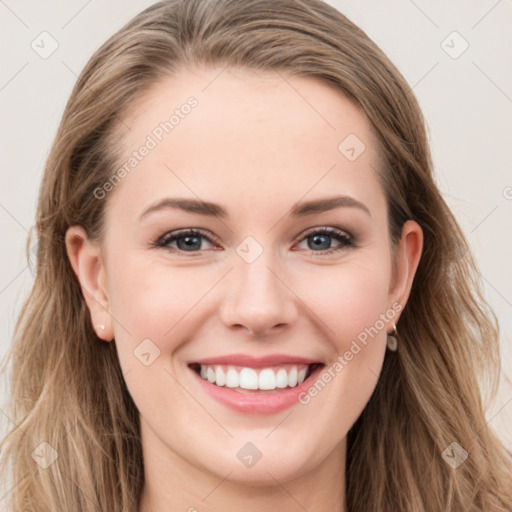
[252, 160]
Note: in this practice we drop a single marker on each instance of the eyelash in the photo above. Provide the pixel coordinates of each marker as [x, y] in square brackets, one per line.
[163, 241]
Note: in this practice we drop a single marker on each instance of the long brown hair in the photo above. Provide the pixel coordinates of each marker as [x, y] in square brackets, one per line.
[68, 395]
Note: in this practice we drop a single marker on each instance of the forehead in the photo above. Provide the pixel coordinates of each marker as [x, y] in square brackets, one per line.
[244, 139]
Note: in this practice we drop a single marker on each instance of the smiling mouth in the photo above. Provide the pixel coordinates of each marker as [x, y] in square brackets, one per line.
[272, 379]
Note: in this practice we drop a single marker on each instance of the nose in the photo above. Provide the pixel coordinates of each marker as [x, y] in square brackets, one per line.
[260, 300]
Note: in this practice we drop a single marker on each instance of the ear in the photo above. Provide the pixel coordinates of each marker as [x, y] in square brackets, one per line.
[407, 258]
[85, 258]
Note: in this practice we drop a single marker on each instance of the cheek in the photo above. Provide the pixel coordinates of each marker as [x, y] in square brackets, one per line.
[156, 300]
[153, 305]
[353, 312]
[348, 299]
[151, 299]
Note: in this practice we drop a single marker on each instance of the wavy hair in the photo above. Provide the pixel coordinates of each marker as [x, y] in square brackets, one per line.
[67, 388]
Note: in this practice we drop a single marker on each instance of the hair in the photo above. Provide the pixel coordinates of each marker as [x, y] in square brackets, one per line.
[67, 388]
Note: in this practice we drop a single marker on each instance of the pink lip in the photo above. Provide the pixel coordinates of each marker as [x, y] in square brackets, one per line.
[254, 362]
[255, 402]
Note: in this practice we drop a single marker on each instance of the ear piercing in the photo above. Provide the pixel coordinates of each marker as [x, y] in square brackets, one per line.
[392, 342]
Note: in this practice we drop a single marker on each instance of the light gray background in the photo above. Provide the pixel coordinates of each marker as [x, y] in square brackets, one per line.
[466, 100]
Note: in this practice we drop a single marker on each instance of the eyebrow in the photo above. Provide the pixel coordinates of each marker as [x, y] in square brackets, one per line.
[300, 209]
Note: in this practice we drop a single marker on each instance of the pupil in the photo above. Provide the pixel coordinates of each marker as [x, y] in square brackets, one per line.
[189, 242]
[318, 242]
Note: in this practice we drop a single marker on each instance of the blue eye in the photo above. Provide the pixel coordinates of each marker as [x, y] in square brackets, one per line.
[189, 240]
[320, 239]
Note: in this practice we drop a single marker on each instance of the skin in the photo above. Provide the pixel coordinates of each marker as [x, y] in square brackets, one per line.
[256, 144]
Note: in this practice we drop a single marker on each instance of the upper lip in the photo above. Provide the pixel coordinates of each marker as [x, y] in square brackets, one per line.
[254, 362]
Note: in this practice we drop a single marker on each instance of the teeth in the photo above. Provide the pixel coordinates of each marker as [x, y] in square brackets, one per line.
[292, 377]
[232, 378]
[220, 376]
[281, 378]
[249, 378]
[267, 379]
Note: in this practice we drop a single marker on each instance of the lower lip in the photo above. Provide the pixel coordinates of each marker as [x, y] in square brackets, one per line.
[254, 402]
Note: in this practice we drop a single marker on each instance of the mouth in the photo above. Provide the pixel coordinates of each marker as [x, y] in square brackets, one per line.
[255, 385]
[262, 380]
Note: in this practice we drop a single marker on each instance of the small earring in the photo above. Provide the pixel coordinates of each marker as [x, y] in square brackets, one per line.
[392, 342]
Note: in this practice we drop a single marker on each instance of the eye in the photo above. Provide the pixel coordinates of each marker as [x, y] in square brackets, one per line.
[319, 239]
[187, 240]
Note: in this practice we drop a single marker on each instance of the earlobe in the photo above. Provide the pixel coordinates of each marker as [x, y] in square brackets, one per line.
[408, 255]
[87, 264]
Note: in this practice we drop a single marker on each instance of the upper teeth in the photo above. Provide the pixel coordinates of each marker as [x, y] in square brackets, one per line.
[249, 378]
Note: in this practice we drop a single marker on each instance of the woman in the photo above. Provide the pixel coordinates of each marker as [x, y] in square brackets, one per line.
[253, 294]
